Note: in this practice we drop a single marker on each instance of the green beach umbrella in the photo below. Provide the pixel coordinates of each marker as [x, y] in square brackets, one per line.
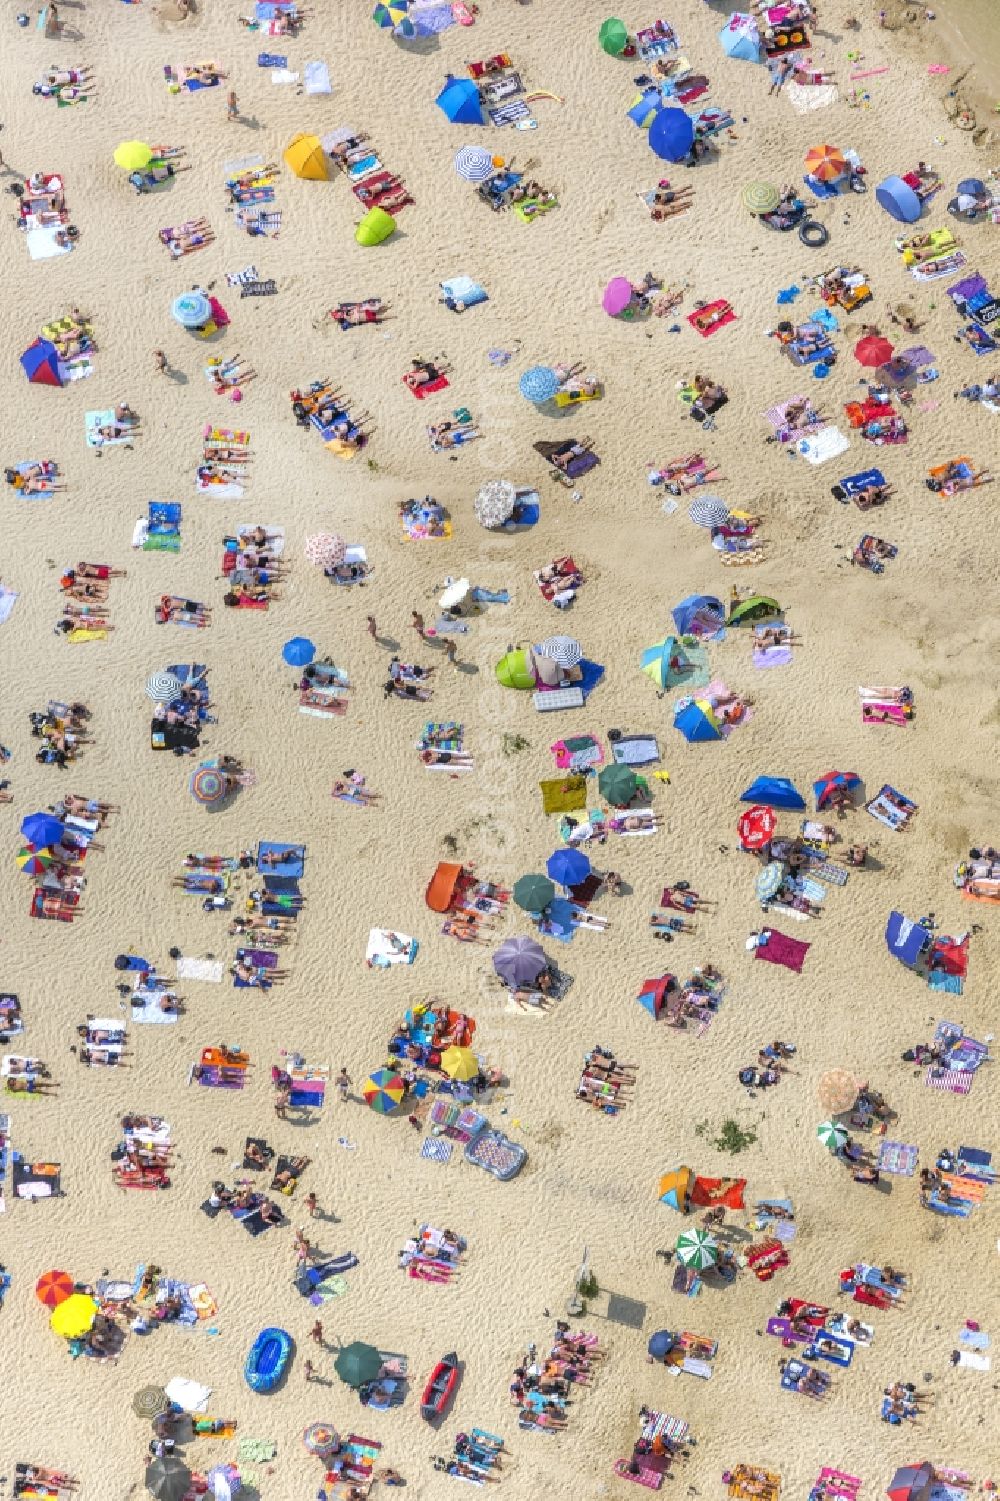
[534, 893]
[760, 198]
[619, 784]
[357, 1363]
[697, 1249]
[832, 1135]
[613, 36]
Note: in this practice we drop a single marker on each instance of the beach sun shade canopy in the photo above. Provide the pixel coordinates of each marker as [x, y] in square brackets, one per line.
[755, 827]
[696, 721]
[671, 134]
[304, 155]
[699, 615]
[533, 893]
[474, 163]
[459, 102]
[757, 607]
[40, 363]
[899, 200]
[906, 940]
[515, 671]
[665, 662]
[568, 867]
[774, 792]
[539, 384]
[565, 651]
[520, 960]
[298, 652]
[675, 1187]
[613, 36]
[357, 1363]
[375, 227]
[739, 39]
[826, 163]
[910, 1482]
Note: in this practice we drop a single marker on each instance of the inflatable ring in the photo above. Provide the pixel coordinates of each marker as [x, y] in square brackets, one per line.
[813, 234]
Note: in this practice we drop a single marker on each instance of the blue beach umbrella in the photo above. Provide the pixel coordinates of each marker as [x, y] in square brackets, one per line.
[191, 309]
[539, 384]
[41, 829]
[298, 652]
[671, 134]
[660, 1343]
[568, 867]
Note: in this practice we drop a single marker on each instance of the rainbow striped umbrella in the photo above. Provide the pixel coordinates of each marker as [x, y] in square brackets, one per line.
[33, 861]
[383, 1090]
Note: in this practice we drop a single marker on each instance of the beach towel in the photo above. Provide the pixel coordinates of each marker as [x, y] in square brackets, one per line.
[898, 1157]
[564, 794]
[147, 1011]
[509, 113]
[968, 1360]
[709, 319]
[805, 98]
[436, 1149]
[211, 971]
[635, 750]
[780, 949]
[578, 752]
[651, 1479]
[190, 1396]
[316, 78]
[953, 1081]
[43, 245]
[8, 598]
[381, 951]
[817, 448]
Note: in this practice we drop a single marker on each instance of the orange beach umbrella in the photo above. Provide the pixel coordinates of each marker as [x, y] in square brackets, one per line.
[826, 163]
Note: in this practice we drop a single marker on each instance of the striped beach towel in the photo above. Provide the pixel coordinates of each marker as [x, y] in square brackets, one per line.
[897, 1157]
[952, 1080]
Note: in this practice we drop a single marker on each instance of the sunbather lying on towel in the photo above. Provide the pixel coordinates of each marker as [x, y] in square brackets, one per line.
[184, 237]
[353, 314]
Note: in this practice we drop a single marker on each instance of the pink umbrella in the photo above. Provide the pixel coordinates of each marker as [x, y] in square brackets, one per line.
[617, 296]
[325, 549]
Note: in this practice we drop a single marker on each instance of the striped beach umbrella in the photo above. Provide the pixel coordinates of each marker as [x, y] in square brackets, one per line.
[383, 1091]
[474, 164]
[191, 309]
[832, 1134]
[826, 163]
[53, 1288]
[565, 651]
[163, 687]
[325, 549]
[208, 785]
[708, 511]
[33, 860]
[539, 384]
[760, 198]
[149, 1401]
[769, 880]
[393, 17]
[697, 1249]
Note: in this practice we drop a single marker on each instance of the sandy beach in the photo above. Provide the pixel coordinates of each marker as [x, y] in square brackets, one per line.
[590, 1182]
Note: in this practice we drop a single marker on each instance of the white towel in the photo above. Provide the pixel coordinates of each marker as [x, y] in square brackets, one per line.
[190, 1396]
[973, 1362]
[826, 444]
[806, 97]
[209, 970]
[316, 77]
[7, 601]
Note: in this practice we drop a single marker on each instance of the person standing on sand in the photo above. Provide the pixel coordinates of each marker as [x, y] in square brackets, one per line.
[232, 106]
[417, 622]
[371, 627]
[451, 651]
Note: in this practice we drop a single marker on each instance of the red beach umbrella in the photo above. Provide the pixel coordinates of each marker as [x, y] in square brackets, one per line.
[53, 1288]
[872, 351]
[756, 826]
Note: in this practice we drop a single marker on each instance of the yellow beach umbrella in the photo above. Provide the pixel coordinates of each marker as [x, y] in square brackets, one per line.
[460, 1063]
[74, 1316]
[132, 156]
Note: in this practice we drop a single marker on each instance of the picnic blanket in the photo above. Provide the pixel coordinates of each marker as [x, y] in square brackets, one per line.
[898, 1157]
[564, 794]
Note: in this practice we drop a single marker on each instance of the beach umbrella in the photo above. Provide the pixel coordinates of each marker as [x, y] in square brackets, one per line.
[191, 309]
[383, 1091]
[971, 185]
[149, 1402]
[325, 549]
[618, 785]
[910, 1482]
[697, 1249]
[834, 781]
[41, 829]
[357, 1363]
[565, 651]
[474, 164]
[224, 1481]
[461, 1064]
[539, 384]
[533, 893]
[460, 103]
[208, 785]
[392, 17]
[298, 652]
[826, 163]
[613, 36]
[617, 296]
[756, 826]
[32, 860]
[769, 880]
[832, 1134]
[837, 1091]
[708, 511]
[872, 351]
[660, 1344]
[132, 156]
[568, 867]
[760, 197]
[321, 1438]
[163, 687]
[495, 503]
[671, 135]
[453, 596]
[74, 1316]
[520, 961]
[168, 1478]
[53, 1288]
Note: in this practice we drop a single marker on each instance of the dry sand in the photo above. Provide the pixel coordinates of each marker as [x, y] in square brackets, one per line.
[590, 1181]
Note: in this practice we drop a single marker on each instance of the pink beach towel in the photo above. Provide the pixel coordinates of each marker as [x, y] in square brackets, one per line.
[780, 949]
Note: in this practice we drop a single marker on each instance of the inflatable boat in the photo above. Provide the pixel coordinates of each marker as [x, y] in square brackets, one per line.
[440, 1385]
[268, 1359]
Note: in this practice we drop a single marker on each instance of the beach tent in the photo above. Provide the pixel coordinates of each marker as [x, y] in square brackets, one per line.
[613, 36]
[699, 614]
[375, 227]
[304, 156]
[899, 200]
[674, 1188]
[831, 782]
[757, 607]
[459, 102]
[515, 671]
[773, 792]
[697, 721]
[666, 662]
[910, 1482]
[440, 891]
[653, 995]
[40, 363]
[904, 939]
[739, 39]
[671, 134]
[950, 956]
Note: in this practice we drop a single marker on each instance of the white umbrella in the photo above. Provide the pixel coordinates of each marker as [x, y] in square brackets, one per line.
[454, 594]
[709, 511]
[325, 549]
[495, 503]
[565, 651]
[163, 688]
[474, 163]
